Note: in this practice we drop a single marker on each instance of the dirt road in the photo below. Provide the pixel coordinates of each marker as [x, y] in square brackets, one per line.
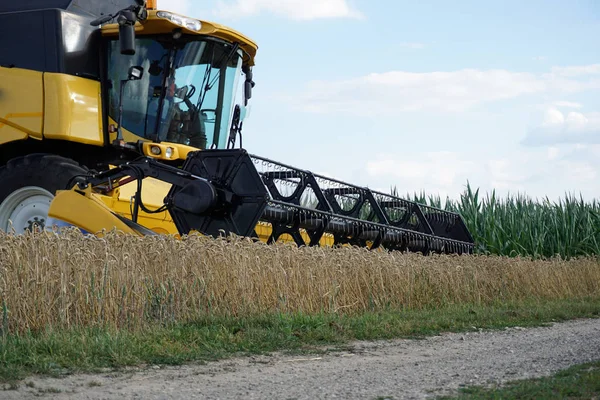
[400, 369]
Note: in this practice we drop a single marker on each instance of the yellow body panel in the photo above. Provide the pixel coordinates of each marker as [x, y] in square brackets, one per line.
[73, 109]
[153, 193]
[86, 211]
[21, 115]
[8, 133]
[156, 25]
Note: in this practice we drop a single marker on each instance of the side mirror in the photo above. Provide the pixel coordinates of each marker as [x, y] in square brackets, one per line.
[135, 73]
[126, 22]
[248, 84]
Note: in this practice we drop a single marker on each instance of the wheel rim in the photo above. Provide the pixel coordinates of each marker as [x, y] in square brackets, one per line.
[25, 209]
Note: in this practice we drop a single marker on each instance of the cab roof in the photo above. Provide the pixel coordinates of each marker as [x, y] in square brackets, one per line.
[155, 24]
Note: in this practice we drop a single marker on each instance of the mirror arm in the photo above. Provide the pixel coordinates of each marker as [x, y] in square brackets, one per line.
[120, 123]
[236, 128]
[126, 18]
[135, 73]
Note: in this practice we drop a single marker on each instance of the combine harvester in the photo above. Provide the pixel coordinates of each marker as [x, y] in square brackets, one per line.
[114, 114]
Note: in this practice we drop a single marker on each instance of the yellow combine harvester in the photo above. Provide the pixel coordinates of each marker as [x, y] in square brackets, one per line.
[116, 114]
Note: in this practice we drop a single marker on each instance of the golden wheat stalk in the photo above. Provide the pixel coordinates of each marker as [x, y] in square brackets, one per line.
[68, 280]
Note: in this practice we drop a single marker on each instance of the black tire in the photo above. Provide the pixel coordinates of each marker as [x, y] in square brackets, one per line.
[46, 171]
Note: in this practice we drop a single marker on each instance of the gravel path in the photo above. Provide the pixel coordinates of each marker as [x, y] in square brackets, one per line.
[399, 369]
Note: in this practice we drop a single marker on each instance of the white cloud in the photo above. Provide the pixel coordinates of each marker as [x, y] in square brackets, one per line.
[578, 70]
[535, 172]
[553, 117]
[583, 172]
[574, 127]
[400, 91]
[434, 172]
[506, 175]
[293, 9]
[412, 45]
[391, 92]
[553, 153]
[532, 173]
[567, 104]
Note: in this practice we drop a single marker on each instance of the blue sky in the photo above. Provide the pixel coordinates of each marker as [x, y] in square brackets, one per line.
[425, 95]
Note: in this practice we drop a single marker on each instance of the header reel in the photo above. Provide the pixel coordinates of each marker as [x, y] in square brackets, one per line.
[220, 192]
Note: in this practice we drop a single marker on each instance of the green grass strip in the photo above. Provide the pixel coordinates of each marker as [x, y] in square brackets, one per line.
[578, 382]
[212, 338]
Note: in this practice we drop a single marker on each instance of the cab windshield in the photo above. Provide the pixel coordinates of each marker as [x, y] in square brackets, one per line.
[186, 93]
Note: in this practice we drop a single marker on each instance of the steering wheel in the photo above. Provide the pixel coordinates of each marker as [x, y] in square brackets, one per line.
[185, 93]
[213, 110]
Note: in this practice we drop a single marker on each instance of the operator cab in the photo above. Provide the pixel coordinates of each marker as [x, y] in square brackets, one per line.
[187, 90]
[186, 84]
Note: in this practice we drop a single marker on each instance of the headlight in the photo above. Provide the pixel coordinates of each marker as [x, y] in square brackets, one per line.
[155, 150]
[189, 23]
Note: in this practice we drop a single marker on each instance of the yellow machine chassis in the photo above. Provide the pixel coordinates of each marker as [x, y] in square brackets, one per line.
[69, 108]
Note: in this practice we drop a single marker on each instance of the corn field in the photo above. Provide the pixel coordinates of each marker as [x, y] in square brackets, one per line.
[518, 225]
[65, 280]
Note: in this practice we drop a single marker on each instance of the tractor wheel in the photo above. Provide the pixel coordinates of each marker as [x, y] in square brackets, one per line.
[27, 187]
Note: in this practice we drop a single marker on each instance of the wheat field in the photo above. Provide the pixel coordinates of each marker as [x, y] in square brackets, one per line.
[70, 280]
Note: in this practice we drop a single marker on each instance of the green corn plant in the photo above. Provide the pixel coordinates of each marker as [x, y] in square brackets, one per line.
[519, 225]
